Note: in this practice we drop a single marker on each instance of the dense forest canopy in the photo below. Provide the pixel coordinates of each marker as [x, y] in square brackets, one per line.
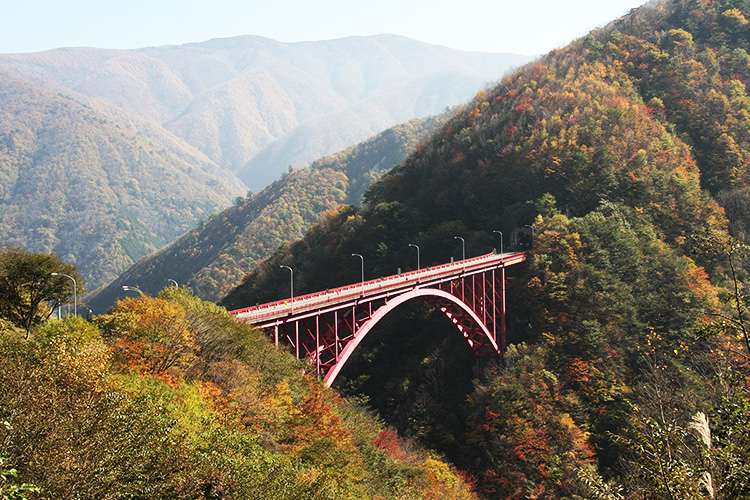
[169, 397]
[628, 152]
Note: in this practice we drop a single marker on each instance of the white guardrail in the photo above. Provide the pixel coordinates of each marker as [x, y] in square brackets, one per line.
[422, 277]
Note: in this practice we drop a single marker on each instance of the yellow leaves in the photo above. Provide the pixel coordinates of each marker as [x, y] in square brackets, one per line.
[681, 38]
[76, 347]
[438, 471]
[735, 15]
[151, 334]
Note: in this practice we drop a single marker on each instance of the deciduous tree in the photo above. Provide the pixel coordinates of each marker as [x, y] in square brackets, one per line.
[27, 286]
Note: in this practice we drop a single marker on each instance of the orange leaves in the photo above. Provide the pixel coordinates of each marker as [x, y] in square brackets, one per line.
[524, 105]
[317, 420]
[578, 371]
[696, 279]
[532, 445]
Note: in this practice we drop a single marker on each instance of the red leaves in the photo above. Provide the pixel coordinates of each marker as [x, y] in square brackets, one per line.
[524, 105]
[533, 445]
[391, 443]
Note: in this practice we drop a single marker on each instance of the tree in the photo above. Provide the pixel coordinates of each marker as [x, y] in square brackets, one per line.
[665, 454]
[731, 324]
[152, 334]
[27, 285]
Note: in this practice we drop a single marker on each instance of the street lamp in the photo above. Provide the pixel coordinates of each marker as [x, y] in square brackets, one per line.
[501, 240]
[174, 283]
[363, 271]
[132, 289]
[75, 292]
[532, 235]
[291, 287]
[463, 247]
[415, 246]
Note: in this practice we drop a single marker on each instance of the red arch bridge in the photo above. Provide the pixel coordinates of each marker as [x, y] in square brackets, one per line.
[327, 326]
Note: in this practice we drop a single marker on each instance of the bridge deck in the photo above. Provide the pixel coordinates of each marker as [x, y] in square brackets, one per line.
[269, 312]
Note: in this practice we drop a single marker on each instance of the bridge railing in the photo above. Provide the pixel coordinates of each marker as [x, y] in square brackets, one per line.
[371, 287]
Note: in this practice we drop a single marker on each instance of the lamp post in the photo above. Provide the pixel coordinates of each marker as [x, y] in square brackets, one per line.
[363, 271]
[291, 287]
[132, 289]
[174, 283]
[501, 240]
[415, 246]
[532, 235]
[463, 247]
[75, 292]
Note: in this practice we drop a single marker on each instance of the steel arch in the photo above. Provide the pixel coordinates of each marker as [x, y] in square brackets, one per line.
[429, 295]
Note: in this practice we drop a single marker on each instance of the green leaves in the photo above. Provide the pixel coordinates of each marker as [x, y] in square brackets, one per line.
[9, 490]
[27, 286]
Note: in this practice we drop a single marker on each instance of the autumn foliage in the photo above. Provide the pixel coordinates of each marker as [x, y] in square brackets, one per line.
[617, 149]
[170, 397]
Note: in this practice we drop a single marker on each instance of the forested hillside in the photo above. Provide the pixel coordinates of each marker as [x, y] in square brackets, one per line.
[170, 398]
[621, 150]
[627, 372]
[213, 258]
[77, 183]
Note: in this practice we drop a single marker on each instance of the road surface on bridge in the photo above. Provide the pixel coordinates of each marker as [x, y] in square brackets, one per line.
[391, 285]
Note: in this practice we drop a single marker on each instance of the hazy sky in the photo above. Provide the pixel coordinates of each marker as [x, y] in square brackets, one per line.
[526, 27]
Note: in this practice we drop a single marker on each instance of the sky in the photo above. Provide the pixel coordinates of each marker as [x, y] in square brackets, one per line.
[522, 27]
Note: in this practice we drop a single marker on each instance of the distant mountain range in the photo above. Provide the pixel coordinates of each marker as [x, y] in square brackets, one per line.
[234, 99]
[107, 155]
[100, 195]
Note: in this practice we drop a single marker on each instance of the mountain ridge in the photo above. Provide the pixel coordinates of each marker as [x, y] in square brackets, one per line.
[209, 107]
[79, 184]
[311, 78]
[212, 258]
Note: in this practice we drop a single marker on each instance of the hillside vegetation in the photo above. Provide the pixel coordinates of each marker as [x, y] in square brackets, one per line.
[74, 182]
[622, 150]
[171, 398]
[213, 258]
[627, 370]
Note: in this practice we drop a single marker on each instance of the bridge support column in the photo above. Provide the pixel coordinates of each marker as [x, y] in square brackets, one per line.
[317, 343]
[502, 309]
[336, 331]
[296, 338]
